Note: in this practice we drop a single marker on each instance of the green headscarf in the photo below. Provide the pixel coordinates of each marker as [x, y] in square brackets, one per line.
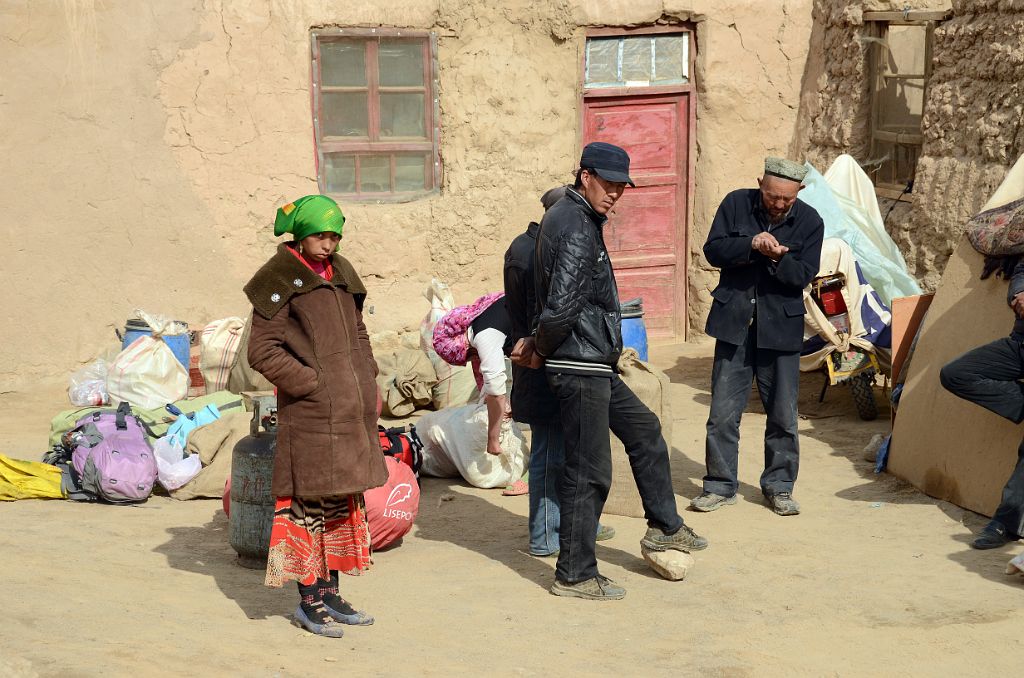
[308, 215]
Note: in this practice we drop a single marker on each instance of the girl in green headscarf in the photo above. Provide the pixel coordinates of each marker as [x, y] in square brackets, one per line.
[309, 340]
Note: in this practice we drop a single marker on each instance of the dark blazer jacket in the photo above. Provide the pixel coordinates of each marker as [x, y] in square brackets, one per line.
[751, 282]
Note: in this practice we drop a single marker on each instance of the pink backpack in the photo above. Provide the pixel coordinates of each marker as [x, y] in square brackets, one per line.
[450, 341]
[111, 459]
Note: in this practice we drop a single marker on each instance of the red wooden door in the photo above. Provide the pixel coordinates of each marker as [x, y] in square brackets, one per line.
[647, 229]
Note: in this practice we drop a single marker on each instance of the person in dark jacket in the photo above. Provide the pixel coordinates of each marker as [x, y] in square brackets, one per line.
[767, 244]
[309, 340]
[578, 338]
[990, 376]
[532, 401]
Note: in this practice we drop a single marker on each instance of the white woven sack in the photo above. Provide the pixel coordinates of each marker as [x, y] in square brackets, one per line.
[147, 375]
[220, 342]
[455, 442]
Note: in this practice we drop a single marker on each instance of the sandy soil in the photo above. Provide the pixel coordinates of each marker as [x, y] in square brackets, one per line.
[873, 578]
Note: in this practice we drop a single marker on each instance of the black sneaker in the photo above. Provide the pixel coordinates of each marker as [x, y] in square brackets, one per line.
[992, 536]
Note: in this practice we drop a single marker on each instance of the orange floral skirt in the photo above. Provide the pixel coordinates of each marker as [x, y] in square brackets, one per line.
[311, 537]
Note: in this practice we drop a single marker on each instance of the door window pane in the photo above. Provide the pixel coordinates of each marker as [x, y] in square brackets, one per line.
[374, 174]
[602, 61]
[410, 172]
[340, 173]
[401, 115]
[401, 63]
[343, 64]
[344, 114]
[670, 59]
[636, 60]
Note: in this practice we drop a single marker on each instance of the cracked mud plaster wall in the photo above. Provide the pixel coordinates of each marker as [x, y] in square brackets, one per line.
[972, 124]
[147, 145]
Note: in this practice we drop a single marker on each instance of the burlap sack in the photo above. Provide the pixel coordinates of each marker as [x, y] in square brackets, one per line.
[242, 376]
[651, 387]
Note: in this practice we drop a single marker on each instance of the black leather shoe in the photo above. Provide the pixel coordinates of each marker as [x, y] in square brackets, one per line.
[992, 537]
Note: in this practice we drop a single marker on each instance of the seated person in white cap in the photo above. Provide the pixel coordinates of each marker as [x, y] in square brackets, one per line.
[767, 244]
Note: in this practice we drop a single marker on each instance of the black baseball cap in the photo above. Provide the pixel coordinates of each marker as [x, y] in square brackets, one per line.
[610, 162]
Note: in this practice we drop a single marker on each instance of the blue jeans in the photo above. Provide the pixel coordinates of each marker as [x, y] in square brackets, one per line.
[547, 457]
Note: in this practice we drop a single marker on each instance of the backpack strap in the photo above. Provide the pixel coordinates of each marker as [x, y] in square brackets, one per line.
[123, 410]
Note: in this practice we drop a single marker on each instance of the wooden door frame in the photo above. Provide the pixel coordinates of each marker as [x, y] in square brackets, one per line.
[690, 90]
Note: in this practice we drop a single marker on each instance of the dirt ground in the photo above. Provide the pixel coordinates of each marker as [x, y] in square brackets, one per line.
[873, 578]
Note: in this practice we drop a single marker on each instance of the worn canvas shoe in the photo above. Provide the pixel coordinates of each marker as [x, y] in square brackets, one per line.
[784, 504]
[709, 501]
[598, 588]
[604, 532]
[683, 540]
[992, 536]
[331, 629]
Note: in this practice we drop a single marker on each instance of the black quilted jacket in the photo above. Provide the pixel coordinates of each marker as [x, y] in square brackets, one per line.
[579, 327]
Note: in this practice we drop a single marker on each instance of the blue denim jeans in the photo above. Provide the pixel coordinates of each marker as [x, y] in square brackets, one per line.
[547, 457]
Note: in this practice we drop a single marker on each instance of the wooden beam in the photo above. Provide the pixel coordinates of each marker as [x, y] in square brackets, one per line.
[893, 193]
[912, 15]
[899, 137]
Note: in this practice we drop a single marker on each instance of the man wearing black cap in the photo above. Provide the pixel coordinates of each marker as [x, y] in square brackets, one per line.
[767, 244]
[578, 338]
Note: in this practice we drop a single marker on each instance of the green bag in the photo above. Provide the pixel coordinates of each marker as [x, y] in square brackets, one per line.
[157, 419]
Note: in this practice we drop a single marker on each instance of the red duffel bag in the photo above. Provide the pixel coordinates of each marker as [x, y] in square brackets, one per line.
[392, 508]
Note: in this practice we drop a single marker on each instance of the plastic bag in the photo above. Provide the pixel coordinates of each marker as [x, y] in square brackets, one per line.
[174, 469]
[849, 215]
[146, 373]
[88, 385]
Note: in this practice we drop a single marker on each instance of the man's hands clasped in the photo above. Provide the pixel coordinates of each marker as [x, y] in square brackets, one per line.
[525, 354]
[766, 244]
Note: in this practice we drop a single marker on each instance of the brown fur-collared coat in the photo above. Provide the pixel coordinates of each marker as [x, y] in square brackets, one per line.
[309, 340]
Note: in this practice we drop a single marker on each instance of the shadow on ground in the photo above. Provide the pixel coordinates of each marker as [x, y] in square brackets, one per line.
[205, 550]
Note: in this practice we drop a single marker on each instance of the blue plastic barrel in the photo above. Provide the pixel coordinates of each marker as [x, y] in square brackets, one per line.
[178, 343]
[634, 332]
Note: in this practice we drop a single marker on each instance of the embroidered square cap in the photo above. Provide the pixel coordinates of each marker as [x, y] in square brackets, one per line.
[784, 169]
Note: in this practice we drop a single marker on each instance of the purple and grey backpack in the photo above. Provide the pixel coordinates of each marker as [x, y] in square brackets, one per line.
[112, 458]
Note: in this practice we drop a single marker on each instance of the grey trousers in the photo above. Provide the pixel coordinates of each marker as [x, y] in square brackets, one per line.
[777, 374]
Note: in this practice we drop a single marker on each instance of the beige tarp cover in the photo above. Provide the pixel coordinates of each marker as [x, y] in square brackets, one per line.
[947, 447]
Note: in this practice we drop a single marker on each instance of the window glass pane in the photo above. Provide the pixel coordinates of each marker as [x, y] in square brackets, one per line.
[410, 172]
[344, 114]
[636, 60]
[901, 100]
[670, 59]
[401, 63]
[602, 61]
[401, 115]
[343, 64]
[339, 173]
[906, 49]
[374, 174]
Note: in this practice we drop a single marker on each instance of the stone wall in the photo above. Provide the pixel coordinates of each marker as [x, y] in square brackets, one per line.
[972, 122]
[147, 145]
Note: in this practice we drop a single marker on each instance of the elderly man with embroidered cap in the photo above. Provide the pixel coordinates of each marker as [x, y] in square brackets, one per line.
[578, 339]
[767, 244]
